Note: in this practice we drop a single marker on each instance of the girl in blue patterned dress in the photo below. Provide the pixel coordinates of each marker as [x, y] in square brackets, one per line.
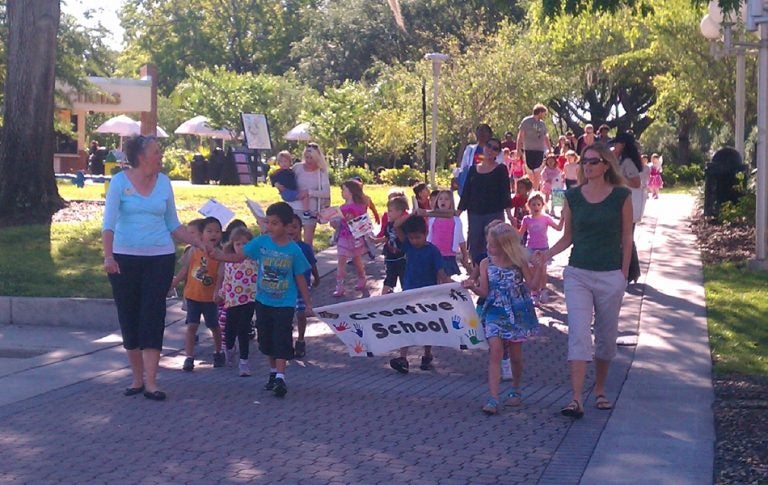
[508, 314]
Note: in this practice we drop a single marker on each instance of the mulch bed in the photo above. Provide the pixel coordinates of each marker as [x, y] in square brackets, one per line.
[80, 211]
[741, 401]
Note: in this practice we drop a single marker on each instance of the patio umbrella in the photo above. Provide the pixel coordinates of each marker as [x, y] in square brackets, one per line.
[300, 132]
[120, 125]
[199, 126]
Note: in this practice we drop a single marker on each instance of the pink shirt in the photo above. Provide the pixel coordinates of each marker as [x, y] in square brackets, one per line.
[446, 234]
[441, 234]
[537, 230]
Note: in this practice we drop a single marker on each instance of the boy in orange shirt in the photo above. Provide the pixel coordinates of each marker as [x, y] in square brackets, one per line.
[199, 292]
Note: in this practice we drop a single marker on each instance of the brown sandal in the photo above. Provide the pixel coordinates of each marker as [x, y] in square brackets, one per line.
[573, 410]
[602, 403]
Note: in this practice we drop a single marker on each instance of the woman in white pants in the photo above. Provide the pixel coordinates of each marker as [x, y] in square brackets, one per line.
[598, 223]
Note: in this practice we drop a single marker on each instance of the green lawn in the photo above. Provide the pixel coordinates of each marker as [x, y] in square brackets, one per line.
[66, 260]
[737, 314]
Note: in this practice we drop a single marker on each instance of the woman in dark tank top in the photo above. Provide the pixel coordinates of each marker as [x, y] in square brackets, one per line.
[598, 223]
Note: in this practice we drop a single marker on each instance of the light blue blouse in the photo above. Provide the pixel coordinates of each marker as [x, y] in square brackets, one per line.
[142, 225]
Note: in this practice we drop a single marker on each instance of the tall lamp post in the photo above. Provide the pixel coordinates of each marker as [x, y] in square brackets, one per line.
[756, 19]
[437, 59]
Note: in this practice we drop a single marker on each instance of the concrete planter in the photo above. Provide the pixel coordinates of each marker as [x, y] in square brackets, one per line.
[65, 312]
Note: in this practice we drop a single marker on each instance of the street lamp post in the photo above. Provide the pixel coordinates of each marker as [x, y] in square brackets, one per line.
[437, 59]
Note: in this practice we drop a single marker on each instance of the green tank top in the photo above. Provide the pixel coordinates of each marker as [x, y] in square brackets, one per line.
[596, 230]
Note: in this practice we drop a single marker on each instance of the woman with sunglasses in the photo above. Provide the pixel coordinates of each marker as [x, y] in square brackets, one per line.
[598, 223]
[486, 197]
[140, 223]
[312, 179]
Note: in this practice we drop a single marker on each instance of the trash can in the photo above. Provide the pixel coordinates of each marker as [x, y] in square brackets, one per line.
[720, 183]
[110, 164]
[198, 168]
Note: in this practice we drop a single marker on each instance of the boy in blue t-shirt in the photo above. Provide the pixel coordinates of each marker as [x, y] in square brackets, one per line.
[294, 230]
[281, 280]
[423, 267]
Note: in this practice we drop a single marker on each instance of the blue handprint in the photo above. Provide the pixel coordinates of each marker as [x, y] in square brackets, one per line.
[358, 330]
[472, 335]
[456, 322]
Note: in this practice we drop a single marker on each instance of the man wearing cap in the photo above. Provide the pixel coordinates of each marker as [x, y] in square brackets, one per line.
[533, 142]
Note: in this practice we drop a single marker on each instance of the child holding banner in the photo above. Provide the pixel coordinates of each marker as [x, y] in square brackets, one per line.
[394, 258]
[281, 279]
[423, 267]
[447, 234]
[348, 245]
[508, 314]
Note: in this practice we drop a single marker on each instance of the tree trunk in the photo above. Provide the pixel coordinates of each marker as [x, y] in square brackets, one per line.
[686, 119]
[28, 192]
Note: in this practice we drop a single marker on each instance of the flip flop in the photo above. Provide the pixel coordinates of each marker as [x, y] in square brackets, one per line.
[602, 403]
[132, 391]
[573, 410]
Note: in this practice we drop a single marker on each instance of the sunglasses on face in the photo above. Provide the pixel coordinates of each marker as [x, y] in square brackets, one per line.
[590, 161]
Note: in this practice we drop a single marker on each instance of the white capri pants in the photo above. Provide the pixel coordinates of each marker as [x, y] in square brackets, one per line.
[588, 294]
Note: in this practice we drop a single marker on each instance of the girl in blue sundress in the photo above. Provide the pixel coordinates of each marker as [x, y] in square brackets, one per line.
[508, 314]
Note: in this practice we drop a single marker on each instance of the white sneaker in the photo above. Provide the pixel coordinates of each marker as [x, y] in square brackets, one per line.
[506, 370]
[245, 369]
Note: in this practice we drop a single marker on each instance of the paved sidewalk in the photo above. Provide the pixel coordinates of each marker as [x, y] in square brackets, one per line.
[344, 420]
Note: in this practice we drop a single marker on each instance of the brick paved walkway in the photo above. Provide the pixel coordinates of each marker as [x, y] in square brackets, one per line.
[344, 420]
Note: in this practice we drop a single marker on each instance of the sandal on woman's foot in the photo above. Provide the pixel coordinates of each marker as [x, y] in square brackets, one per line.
[602, 403]
[573, 410]
[132, 391]
[491, 406]
[155, 395]
[513, 398]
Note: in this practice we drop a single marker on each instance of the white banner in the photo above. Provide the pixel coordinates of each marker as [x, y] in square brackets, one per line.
[442, 315]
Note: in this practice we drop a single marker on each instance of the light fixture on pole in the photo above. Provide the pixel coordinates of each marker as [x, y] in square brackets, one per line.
[437, 59]
[714, 26]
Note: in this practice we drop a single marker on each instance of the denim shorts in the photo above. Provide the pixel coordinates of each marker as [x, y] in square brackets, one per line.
[208, 309]
[394, 270]
[274, 331]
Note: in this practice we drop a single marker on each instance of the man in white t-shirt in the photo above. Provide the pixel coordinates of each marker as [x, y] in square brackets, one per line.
[533, 142]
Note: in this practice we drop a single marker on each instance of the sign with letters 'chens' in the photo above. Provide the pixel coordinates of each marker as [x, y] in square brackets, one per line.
[442, 315]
